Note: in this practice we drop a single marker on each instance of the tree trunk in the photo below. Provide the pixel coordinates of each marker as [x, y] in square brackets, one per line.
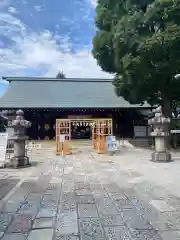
[167, 111]
[167, 108]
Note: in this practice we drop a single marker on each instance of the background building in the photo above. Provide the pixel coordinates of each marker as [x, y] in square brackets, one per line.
[44, 100]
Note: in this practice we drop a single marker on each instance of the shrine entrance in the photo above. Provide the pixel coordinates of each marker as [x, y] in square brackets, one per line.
[99, 129]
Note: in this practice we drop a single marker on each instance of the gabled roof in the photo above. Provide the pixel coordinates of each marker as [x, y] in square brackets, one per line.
[61, 93]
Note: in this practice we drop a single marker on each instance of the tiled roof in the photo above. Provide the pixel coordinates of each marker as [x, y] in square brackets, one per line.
[61, 93]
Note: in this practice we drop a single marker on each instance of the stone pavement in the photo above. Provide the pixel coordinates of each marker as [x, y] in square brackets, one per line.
[92, 197]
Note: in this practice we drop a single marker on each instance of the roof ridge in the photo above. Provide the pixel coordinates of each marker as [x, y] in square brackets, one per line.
[18, 79]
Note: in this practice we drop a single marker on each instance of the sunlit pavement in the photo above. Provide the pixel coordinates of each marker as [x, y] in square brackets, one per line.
[89, 196]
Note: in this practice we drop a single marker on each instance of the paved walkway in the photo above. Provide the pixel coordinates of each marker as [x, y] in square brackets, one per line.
[92, 197]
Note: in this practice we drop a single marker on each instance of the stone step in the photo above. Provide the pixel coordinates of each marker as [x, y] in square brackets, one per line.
[141, 142]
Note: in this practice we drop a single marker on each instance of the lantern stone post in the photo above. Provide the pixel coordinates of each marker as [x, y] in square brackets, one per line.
[19, 138]
[159, 123]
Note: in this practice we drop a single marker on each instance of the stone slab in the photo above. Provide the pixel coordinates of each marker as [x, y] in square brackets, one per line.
[68, 206]
[96, 185]
[68, 187]
[173, 220]
[48, 204]
[67, 237]
[146, 235]
[162, 206]
[46, 213]
[117, 232]
[43, 223]
[7, 186]
[111, 188]
[83, 192]
[170, 235]
[20, 224]
[81, 185]
[117, 196]
[134, 174]
[54, 185]
[67, 224]
[84, 199]
[148, 211]
[14, 236]
[50, 197]
[65, 196]
[87, 210]
[111, 220]
[123, 204]
[11, 206]
[41, 234]
[99, 193]
[106, 207]
[29, 208]
[134, 220]
[79, 177]
[163, 225]
[90, 228]
[37, 197]
[5, 220]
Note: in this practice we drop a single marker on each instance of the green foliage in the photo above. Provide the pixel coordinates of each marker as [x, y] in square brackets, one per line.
[138, 41]
[60, 75]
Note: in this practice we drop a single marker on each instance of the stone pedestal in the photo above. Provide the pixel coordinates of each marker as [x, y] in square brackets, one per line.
[19, 159]
[160, 143]
[17, 162]
[161, 157]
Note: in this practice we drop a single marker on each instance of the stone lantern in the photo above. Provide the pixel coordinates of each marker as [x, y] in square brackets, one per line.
[159, 123]
[19, 139]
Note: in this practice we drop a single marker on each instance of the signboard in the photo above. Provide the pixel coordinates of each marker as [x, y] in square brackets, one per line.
[111, 143]
[62, 138]
[175, 131]
[3, 145]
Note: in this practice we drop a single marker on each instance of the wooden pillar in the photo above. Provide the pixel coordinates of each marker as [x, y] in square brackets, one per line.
[63, 129]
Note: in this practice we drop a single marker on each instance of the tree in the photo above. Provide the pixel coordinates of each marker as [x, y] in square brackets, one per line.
[60, 75]
[137, 41]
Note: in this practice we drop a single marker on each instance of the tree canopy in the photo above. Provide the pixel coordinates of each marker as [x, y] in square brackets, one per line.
[138, 41]
[60, 75]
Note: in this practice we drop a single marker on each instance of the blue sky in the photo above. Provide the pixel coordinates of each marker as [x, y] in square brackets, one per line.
[41, 37]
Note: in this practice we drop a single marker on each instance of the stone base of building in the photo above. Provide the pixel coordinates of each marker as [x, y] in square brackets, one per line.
[161, 157]
[17, 162]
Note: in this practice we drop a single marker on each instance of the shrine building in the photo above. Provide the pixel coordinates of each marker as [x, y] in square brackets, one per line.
[44, 100]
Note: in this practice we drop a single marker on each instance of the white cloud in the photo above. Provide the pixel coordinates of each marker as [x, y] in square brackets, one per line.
[38, 8]
[93, 3]
[32, 52]
[12, 10]
[3, 82]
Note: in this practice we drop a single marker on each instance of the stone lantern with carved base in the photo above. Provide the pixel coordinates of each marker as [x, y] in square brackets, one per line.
[160, 123]
[19, 138]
